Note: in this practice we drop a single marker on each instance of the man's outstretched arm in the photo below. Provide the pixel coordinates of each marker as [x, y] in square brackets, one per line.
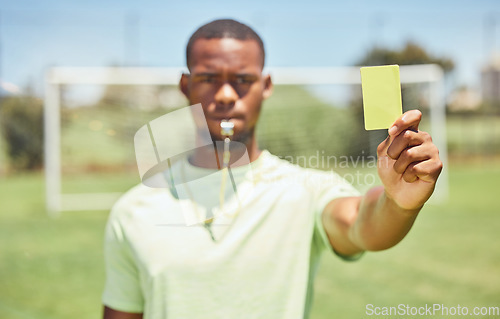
[408, 166]
[115, 314]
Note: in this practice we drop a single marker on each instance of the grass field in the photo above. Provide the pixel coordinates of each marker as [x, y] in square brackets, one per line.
[54, 268]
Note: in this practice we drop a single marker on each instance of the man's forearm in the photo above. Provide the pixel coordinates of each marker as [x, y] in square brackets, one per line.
[380, 223]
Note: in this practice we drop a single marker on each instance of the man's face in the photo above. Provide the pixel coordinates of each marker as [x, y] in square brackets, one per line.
[226, 78]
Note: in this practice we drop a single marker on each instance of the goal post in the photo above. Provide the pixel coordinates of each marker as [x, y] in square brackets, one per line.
[56, 201]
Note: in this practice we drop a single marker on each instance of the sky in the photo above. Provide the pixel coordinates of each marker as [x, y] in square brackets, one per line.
[35, 35]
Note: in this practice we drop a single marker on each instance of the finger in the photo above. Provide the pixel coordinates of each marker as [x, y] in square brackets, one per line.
[411, 155]
[384, 145]
[409, 175]
[427, 171]
[407, 139]
[409, 120]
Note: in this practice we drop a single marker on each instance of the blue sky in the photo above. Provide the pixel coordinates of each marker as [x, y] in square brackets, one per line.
[37, 34]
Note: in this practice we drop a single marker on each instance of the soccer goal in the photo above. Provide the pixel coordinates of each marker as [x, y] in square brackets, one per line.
[60, 78]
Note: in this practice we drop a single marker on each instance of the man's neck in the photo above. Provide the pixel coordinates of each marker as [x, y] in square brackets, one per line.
[212, 156]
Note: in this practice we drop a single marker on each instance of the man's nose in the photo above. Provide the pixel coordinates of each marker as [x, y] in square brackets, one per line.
[226, 95]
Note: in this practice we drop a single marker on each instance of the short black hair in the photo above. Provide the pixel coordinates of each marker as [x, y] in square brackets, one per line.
[224, 28]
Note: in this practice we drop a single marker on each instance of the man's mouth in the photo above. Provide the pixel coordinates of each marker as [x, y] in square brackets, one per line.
[221, 118]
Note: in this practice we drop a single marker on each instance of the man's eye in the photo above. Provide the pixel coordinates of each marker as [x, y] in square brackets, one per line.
[208, 79]
[244, 80]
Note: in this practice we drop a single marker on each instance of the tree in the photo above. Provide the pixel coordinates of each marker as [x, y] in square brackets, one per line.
[21, 123]
[410, 54]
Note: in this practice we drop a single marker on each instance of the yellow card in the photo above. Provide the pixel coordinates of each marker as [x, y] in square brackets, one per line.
[381, 96]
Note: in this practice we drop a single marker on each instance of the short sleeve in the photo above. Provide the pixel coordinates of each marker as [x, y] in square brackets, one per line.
[122, 290]
[329, 186]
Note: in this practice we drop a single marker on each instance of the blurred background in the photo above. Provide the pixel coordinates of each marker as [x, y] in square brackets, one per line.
[53, 267]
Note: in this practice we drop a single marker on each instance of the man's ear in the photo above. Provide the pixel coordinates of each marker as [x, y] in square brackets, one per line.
[184, 84]
[268, 86]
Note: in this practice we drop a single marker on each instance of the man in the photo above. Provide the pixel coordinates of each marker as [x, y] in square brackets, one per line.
[261, 262]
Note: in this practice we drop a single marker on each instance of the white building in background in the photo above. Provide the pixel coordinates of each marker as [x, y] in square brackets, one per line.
[490, 80]
[464, 99]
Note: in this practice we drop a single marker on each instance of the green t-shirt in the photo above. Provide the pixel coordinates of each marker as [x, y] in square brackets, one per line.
[268, 240]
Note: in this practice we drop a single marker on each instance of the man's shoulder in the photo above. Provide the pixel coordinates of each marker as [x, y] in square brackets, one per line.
[277, 166]
[138, 192]
[285, 167]
[314, 180]
[136, 197]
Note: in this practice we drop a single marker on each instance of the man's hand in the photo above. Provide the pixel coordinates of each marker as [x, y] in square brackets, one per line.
[408, 165]
[408, 162]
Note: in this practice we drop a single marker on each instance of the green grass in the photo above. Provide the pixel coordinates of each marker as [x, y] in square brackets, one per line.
[48, 268]
[54, 268]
